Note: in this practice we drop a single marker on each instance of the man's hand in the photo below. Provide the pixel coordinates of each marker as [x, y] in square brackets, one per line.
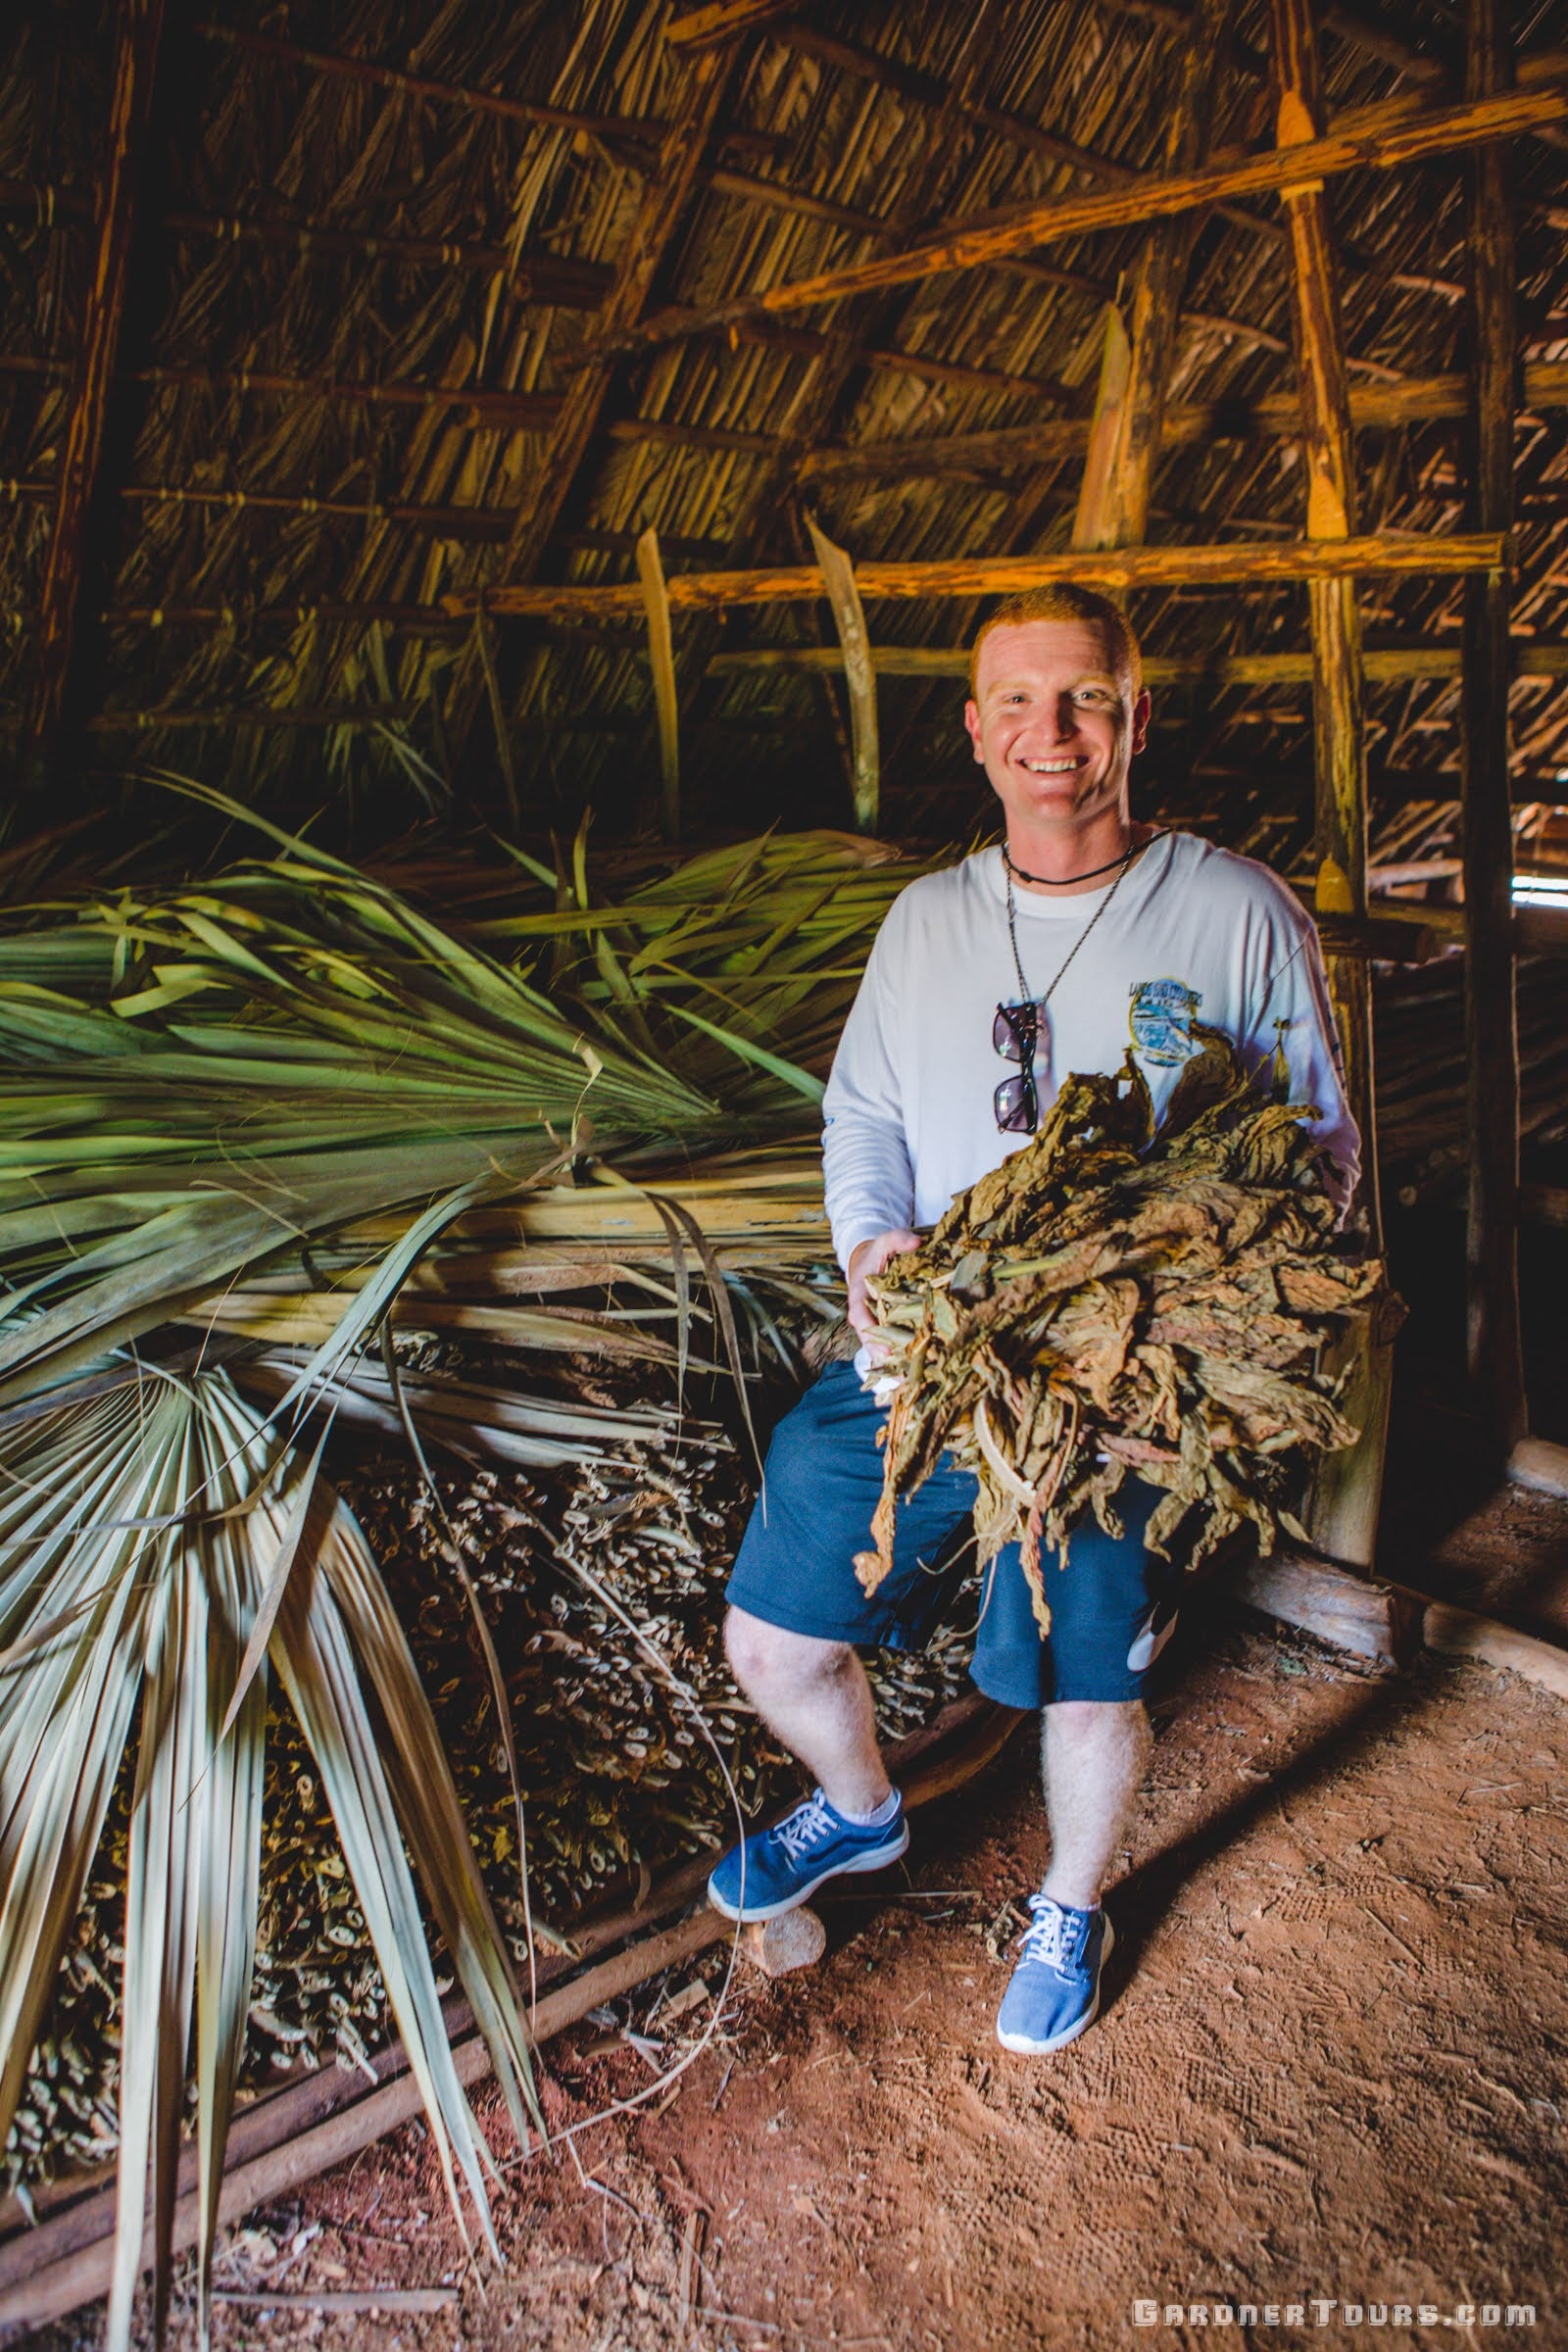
[867, 1258]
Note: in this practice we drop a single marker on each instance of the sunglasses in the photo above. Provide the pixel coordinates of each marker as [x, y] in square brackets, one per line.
[1014, 1034]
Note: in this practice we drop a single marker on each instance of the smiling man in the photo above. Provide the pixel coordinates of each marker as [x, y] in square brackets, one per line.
[1082, 933]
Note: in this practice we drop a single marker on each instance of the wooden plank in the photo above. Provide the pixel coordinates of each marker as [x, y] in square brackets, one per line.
[1428, 133]
[1273, 416]
[138, 24]
[1494, 1351]
[661, 657]
[1240, 564]
[855, 643]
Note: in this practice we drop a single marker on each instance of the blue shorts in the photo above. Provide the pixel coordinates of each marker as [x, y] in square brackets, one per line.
[1110, 1606]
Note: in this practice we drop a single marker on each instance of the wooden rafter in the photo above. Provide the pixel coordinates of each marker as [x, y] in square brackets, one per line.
[1124, 442]
[1425, 134]
[136, 34]
[1420, 399]
[1382, 666]
[1492, 1045]
[665, 199]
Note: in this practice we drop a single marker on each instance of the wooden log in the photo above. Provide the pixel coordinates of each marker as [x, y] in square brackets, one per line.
[661, 657]
[1124, 440]
[1428, 133]
[1494, 1349]
[1358, 1614]
[1242, 563]
[854, 644]
[1460, 1634]
[138, 24]
[1274, 417]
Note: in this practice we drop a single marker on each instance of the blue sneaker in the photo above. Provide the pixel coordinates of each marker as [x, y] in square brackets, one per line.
[784, 1866]
[1054, 1993]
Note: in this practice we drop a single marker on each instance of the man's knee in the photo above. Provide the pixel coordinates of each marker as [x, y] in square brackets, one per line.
[770, 1657]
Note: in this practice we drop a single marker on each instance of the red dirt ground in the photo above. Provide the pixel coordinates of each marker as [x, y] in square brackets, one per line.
[1334, 2064]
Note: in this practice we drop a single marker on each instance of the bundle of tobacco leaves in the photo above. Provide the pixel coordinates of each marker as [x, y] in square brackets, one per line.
[1114, 1300]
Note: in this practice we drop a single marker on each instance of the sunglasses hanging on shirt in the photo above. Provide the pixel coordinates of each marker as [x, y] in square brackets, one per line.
[1015, 1031]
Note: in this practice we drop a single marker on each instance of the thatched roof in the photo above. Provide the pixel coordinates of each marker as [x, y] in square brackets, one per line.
[351, 383]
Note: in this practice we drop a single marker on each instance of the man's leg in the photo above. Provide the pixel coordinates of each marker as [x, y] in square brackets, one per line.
[815, 1697]
[1094, 1754]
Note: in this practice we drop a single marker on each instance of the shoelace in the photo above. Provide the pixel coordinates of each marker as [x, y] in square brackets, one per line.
[807, 1826]
[1053, 1938]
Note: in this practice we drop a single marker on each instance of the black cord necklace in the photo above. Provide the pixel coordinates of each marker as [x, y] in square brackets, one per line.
[1063, 881]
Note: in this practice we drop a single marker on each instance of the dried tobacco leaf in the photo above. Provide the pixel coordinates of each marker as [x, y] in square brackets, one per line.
[1114, 1300]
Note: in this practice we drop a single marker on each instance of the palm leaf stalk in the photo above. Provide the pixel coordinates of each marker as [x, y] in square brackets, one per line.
[140, 1528]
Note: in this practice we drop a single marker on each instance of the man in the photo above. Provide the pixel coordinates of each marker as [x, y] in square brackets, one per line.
[1082, 932]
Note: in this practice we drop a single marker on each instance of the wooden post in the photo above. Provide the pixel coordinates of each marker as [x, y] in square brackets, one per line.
[662, 655]
[1492, 1045]
[1124, 437]
[849, 618]
[1344, 1508]
[137, 29]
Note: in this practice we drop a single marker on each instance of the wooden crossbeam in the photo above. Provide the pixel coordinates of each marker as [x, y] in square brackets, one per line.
[1422, 399]
[1428, 132]
[1245, 565]
[1493, 1345]
[138, 25]
[1380, 664]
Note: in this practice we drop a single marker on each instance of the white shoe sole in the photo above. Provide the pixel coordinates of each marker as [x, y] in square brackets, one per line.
[754, 1913]
[1027, 2048]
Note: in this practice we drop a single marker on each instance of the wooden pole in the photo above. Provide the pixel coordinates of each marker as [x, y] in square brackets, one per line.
[1493, 1348]
[1343, 1511]
[138, 25]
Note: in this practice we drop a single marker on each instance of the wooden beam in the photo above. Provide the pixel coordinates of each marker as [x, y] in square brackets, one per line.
[665, 199]
[138, 24]
[1427, 133]
[1124, 442]
[1380, 664]
[1422, 399]
[1242, 564]
[1493, 1347]
[1346, 1487]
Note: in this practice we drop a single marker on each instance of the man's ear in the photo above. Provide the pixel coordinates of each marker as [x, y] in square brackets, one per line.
[1141, 711]
[971, 719]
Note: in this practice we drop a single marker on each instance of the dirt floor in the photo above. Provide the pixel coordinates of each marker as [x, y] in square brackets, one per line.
[1334, 2066]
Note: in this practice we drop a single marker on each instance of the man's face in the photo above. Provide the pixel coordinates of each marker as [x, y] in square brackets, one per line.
[1052, 725]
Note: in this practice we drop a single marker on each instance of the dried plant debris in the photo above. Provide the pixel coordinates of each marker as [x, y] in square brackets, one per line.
[1113, 1299]
[618, 1782]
